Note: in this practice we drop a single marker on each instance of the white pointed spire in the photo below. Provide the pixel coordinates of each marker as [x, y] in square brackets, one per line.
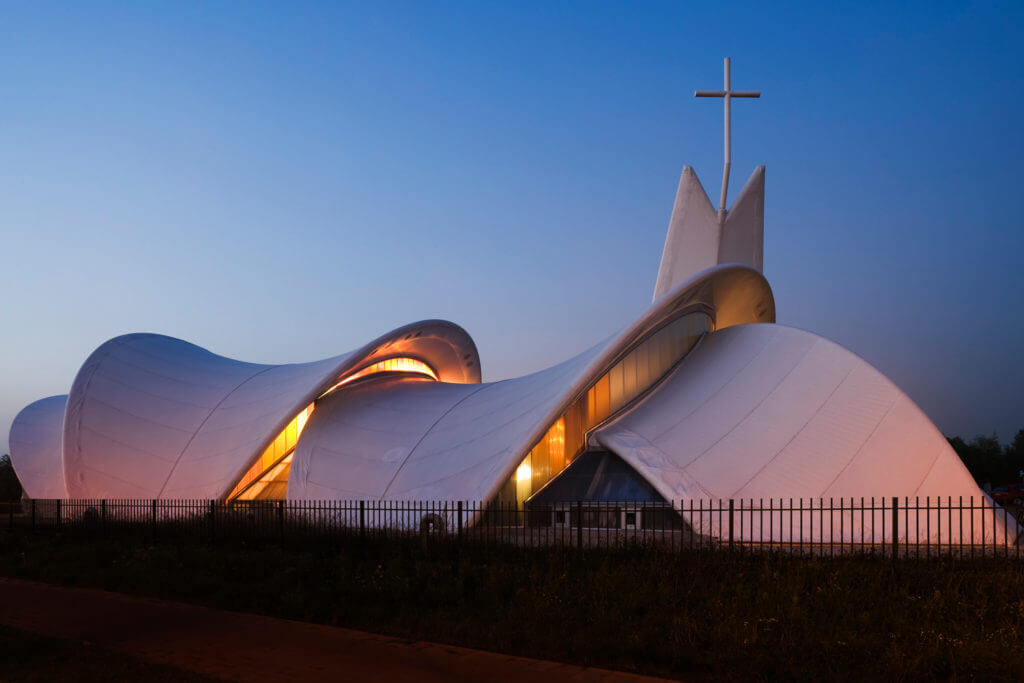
[698, 236]
[697, 240]
[743, 232]
[691, 244]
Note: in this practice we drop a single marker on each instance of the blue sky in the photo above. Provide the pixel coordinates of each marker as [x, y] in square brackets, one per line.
[282, 182]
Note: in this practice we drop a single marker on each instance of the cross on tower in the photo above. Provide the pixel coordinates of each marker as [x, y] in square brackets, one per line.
[727, 94]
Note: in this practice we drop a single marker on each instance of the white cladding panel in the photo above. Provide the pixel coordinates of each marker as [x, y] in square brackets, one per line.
[766, 411]
[358, 438]
[475, 447]
[134, 407]
[35, 448]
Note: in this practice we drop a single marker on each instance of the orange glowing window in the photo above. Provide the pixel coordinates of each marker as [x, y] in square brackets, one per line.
[633, 374]
[399, 364]
[268, 476]
[274, 454]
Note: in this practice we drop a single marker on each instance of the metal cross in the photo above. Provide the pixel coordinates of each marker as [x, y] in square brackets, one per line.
[726, 95]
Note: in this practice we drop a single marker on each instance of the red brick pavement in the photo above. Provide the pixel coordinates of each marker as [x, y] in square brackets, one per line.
[248, 647]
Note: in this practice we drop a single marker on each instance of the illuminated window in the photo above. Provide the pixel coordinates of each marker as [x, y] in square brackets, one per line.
[523, 477]
[279, 450]
[271, 486]
[400, 364]
[268, 476]
[636, 372]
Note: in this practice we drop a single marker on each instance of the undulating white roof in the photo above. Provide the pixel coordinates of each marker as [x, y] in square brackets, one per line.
[150, 416]
[770, 412]
[427, 441]
[755, 411]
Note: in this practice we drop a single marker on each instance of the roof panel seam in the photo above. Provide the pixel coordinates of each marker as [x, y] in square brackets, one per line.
[679, 369]
[200, 427]
[179, 380]
[94, 399]
[426, 434]
[754, 409]
[798, 431]
[864, 443]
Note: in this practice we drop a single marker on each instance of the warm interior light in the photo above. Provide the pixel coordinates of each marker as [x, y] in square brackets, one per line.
[556, 440]
[636, 372]
[524, 480]
[399, 364]
[264, 487]
[276, 453]
[274, 464]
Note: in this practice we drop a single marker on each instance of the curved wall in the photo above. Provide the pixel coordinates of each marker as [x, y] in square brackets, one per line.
[35, 448]
[767, 411]
[150, 416]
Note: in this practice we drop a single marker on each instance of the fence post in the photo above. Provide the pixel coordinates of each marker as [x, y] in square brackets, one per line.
[58, 514]
[213, 518]
[103, 514]
[154, 517]
[731, 509]
[579, 524]
[362, 519]
[895, 526]
[460, 520]
[33, 514]
[280, 518]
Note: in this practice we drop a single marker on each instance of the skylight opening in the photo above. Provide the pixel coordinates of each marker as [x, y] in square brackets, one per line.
[402, 364]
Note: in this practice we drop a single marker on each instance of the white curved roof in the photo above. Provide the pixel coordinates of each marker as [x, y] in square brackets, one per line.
[424, 441]
[411, 440]
[767, 411]
[150, 416]
[35, 448]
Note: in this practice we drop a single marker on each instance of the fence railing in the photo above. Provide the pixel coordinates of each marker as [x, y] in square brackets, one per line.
[890, 525]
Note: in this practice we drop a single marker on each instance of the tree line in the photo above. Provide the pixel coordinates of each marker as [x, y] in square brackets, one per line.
[989, 461]
[10, 487]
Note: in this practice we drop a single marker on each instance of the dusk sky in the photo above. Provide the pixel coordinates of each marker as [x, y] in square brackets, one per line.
[284, 182]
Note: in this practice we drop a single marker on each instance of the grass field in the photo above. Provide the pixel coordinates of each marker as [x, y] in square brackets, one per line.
[708, 615]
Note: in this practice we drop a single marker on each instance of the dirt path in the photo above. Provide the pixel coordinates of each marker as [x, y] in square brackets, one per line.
[247, 647]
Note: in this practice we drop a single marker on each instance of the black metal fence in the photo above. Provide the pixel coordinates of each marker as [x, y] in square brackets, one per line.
[891, 526]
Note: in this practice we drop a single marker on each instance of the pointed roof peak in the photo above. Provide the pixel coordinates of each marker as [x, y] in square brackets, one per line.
[700, 237]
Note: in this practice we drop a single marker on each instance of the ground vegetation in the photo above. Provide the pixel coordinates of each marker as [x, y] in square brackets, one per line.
[708, 615]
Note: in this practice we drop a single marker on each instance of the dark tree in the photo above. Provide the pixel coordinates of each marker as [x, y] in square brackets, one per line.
[988, 461]
[10, 487]
[1015, 454]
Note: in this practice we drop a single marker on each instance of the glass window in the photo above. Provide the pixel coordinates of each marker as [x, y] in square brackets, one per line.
[268, 476]
[644, 365]
[399, 364]
[267, 466]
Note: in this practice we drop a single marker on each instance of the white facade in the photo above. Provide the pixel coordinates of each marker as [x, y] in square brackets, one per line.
[36, 439]
[149, 416]
[763, 412]
[752, 410]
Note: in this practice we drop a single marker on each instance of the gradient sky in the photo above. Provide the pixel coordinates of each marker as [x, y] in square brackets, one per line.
[283, 182]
